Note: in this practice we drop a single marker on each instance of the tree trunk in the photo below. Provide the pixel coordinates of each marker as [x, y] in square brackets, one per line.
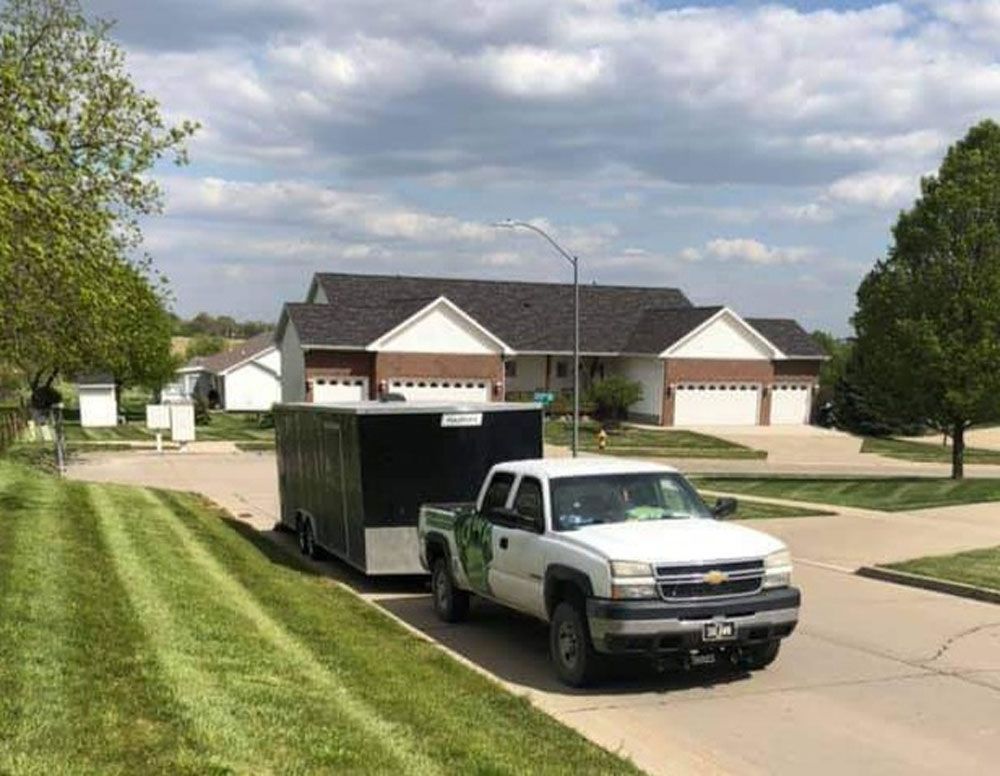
[958, 451]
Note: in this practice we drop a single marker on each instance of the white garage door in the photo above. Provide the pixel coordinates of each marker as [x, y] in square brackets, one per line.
[790, 404]
[441, 389]
[716, 404]
[334, 389]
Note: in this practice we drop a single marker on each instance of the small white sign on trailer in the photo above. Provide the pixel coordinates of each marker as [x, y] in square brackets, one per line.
[182, 422]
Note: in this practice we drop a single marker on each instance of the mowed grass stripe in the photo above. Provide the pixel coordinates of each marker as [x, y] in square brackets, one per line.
[34, 622]
[176, 649]
[292, 652]
[467, 720]
[121, 711]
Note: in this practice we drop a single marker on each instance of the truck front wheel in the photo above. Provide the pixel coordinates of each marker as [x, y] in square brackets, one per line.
[573, 655]
[450, 603]
[760, 656]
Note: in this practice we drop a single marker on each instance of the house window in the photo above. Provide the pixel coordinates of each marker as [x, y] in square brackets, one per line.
[561, 369]
[510, 369]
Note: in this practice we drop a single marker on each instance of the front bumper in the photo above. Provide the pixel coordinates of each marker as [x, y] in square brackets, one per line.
[661, 627]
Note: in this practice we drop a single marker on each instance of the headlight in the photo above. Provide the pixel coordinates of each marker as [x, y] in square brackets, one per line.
[634, 591]
[628, 568]
[778, 569]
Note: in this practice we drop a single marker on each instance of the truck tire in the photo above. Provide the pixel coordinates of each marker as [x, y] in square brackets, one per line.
[760, 656]
[450, 603]
[572, 652]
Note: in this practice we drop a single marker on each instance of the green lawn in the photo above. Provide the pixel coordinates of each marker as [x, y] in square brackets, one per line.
[975, 567]
[890, 494]
[141, 633]
[929, 452]
[750, 509]
[224, 426]
[639, 442]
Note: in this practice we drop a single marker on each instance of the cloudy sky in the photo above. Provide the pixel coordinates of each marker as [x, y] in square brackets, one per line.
[751, 154]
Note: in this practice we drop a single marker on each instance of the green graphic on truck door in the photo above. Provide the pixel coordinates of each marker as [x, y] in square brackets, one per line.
[474, 539]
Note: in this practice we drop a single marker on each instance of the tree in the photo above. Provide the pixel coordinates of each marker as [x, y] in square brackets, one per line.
[928, 316]
[838, 351]
[614, 395]
[77, 143]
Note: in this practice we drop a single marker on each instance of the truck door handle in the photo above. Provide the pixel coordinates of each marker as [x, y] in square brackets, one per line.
[503, 543]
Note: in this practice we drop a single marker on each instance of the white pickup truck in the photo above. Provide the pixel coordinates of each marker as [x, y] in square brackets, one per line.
[619, 557]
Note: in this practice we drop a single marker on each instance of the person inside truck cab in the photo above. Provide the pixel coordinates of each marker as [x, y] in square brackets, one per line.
[578, 502]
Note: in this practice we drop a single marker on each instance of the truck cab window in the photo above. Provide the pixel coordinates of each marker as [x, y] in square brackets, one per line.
[497, 491]
[528, 501]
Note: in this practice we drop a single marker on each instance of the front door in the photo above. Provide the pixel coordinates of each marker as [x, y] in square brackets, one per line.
[475, 534]
[516, 573]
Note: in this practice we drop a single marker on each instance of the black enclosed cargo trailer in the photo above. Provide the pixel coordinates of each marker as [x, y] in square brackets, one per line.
[358, 472]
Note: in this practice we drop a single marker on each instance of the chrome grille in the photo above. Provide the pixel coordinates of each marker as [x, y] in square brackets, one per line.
[695, 581]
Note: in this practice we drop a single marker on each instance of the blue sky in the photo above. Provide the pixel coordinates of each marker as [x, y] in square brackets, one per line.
[752, 154]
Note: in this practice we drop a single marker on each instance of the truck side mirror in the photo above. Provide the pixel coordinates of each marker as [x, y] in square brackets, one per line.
[724, 507]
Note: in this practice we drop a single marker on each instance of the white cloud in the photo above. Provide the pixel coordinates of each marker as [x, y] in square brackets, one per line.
[532, 72]
[878, 189]
[750, 251]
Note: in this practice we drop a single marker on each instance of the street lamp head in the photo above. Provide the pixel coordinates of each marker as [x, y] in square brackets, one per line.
[507, 223]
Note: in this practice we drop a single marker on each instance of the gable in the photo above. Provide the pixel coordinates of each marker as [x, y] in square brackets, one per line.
[725, 336]
[439, 328]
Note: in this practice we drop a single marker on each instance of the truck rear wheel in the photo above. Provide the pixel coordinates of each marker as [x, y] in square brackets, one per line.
[450, 603]
[760, 656]
[573, 655]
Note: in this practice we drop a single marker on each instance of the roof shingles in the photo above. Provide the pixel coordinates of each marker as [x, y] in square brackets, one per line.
[529, 317]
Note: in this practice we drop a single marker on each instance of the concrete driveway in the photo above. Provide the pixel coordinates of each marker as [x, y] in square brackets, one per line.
[878, 678]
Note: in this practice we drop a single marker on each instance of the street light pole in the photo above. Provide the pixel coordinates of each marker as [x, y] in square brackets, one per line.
[576, 317]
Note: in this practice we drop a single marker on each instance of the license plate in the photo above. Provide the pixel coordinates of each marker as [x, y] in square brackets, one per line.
[719, 631]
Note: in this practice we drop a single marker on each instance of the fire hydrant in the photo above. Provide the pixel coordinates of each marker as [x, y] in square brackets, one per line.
[602, 439]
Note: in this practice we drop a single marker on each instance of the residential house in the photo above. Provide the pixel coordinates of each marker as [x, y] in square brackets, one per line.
[357, 336]
[245, 378]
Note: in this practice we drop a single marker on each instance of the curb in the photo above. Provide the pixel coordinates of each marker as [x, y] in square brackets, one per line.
[959, 589]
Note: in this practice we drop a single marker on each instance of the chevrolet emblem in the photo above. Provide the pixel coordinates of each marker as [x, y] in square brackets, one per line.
[715, 577]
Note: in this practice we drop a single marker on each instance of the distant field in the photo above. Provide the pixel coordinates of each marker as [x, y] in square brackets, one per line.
[178, 345]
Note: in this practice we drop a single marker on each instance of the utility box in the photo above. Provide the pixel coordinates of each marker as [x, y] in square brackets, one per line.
[358, 472]
[182, 422]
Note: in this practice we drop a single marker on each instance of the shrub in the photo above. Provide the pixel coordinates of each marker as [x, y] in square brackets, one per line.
[614, 395]
[202, 417]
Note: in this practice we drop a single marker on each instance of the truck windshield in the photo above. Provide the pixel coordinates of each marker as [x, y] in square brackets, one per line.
[617, 498]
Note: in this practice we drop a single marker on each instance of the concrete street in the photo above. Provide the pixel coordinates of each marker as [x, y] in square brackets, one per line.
[878, 679]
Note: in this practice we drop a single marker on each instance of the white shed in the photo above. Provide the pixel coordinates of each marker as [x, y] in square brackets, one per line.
[98, 401]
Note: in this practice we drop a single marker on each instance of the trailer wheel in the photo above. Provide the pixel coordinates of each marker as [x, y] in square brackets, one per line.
[300, 533]
[450, 603]
[307, 542]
